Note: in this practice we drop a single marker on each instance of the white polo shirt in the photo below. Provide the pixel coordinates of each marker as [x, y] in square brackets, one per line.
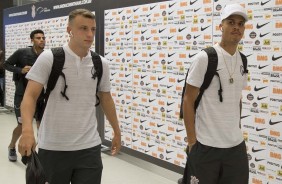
[69, 125]
[217, 123]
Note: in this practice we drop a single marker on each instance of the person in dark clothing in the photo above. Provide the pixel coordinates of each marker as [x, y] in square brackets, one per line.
[20, 63]
[2, 77]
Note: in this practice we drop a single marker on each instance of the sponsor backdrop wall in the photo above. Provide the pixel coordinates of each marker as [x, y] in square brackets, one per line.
[150, 47]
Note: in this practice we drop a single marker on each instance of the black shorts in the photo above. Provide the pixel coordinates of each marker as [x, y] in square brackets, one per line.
[17, 104]
[209, 165]
[82, 166]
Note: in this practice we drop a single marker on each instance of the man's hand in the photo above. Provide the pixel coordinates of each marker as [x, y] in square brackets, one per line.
[190, 145]
[26, 144]
[116, 144]
[25, 69]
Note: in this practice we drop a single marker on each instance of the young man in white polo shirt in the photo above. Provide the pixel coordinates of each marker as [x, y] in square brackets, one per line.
[216, 148]
[68, 141]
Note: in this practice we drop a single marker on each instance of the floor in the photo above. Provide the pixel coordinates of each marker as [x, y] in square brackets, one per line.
[122, 169]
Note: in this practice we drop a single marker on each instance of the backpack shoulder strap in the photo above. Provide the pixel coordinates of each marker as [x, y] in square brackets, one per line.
[245, 62]
[211, 71]
[56, 71]
[57, 67]
[98, 67]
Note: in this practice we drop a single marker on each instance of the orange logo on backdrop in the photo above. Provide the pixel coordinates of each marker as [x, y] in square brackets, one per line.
[156, 15]
[256, 181]
[207, 37]
[262, 58]
[278, 2]
[181, 156]
[206, 1]
[194, 29]
[180, 12]
[183, 4]
[160, 149]
[260, 120]
[249, 26]
[277, 91]
[145, 9]
[275, 133]
[277, 68]
[208, 9]
[173, 30]
[278, 24]
[275, 155]
[163, 6]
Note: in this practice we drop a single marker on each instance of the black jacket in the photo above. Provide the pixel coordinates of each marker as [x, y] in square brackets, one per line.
[18, 60]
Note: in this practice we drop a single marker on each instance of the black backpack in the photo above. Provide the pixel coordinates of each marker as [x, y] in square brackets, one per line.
[56, 72]
[211, 71]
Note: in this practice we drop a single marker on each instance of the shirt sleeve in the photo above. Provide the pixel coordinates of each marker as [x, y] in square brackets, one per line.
[198, 69]
[41, 69]
[11, 63]
[105, 85]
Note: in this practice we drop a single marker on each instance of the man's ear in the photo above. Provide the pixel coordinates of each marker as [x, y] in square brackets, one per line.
[220, 27]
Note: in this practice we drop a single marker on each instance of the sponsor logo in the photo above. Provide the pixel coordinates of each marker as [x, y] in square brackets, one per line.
[168, 152]
[170, 37]
[150, 145]
[262, 35]
[258, 160]
[258, 89]
[171, 5]
[179, 130]
[263, 3]
[260, 129]
[193, 2]
[169, 13]
[191, 55]
[261, 67]
[142, 32]
[150, 100]
[274, 122]
[160, 125]
[256, 150]
[196, 36]
[204, 28]
[142, 121]
[169, 104]
[180, 30]
[261, 25]
[160, 78]
[242, 117]
[276, 58]
[161, 30]
[195, 10]
[135, 54]
[169, 55]
[180, 80]
[142, 77]
[261, 98]
[152, 7]
[120, 11]
[134, 10]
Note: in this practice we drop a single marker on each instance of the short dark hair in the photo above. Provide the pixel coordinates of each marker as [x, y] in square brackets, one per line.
[83, 12]
[35, 32]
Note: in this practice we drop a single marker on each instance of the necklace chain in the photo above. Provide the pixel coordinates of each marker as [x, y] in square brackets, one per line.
[231, 80]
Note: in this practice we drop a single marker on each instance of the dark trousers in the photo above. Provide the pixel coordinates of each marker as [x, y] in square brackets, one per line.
[78, 167]
[209, 165]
